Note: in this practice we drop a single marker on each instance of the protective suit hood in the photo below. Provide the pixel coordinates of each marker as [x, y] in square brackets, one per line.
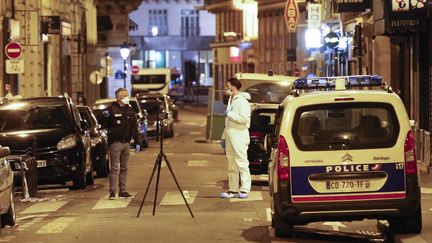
[245, 95]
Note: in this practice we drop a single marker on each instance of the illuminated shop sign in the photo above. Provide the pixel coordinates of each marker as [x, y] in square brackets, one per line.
[353, 5]
[291, 15]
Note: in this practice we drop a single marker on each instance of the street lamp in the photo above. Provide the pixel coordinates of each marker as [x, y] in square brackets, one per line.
[124, 53]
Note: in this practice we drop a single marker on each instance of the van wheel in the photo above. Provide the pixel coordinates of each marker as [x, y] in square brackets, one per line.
[409, 225]
[281, 228]
[10, 217]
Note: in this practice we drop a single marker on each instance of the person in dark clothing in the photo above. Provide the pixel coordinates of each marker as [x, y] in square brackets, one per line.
[120, 121]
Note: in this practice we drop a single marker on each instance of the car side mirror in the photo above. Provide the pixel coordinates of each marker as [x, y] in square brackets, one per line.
[84, 125]
[4, 151]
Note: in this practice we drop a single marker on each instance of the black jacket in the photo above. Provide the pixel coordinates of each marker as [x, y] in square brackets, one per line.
[120, 122]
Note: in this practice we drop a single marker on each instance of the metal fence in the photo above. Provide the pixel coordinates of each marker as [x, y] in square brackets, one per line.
[422, 139]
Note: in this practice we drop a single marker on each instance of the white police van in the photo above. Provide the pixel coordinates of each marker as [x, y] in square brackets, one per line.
[343, 154]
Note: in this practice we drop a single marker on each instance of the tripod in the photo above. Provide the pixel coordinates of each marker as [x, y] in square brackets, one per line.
[157, 165]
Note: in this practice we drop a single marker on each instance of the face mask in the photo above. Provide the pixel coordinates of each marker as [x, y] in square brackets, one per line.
[125, 100]
[228, 92]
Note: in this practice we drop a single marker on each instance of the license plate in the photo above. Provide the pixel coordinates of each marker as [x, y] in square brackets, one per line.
[41, 163]
[343, 185]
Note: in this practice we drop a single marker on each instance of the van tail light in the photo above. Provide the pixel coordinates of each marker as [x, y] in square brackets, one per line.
[283, 161]
[410, 154]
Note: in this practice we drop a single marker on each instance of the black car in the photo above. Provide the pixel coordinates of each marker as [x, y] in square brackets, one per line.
[51, 129]
[7, 208]
[99, 142]
[154, 104]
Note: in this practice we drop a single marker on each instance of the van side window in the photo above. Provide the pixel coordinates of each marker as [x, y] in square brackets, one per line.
[277, 125]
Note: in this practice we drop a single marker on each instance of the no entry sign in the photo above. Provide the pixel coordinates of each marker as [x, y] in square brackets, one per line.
[13, 50]
[135, 69]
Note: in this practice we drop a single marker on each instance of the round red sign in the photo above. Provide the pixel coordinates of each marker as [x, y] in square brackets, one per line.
[13, 50]
[135, 69]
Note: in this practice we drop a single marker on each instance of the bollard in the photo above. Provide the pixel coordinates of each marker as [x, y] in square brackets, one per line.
[26, 195]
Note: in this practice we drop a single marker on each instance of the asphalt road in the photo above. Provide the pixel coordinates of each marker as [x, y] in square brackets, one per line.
[61, 215]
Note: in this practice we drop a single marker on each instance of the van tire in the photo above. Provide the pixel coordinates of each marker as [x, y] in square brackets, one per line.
[409, 225]
[281, 228]
[10, 217]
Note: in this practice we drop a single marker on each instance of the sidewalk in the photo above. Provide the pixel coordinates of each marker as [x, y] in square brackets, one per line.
[425, 179]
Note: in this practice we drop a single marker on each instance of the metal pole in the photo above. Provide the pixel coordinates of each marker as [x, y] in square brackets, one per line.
[124, 73]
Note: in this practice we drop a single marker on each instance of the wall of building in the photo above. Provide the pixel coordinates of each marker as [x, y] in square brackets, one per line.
[141, 17]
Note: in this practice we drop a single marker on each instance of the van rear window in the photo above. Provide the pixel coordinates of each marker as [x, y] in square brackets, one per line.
[342, 126]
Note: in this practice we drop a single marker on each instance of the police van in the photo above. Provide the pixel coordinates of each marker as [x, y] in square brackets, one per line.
[343, 150]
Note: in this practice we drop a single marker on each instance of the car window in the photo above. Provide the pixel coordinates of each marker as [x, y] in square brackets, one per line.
[263, 120]
[277, 124]
[152, 106]
[345, 126]
[18, 116]
[87, 115]
[267, 92]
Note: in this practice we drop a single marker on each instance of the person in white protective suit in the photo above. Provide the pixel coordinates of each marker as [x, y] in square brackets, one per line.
[235, 140]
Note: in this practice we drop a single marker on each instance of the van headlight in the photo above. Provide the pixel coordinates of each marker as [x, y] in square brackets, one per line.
[67, 142]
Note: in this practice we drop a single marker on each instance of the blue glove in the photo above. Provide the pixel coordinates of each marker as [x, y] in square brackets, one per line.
[222, 143]
[137, 148]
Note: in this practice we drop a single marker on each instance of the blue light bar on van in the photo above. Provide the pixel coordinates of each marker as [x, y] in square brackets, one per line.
[330, 82]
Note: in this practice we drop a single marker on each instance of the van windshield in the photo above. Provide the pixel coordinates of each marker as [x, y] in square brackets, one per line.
[345, 126]
[23, 116]
[267, 92]
[149, 79]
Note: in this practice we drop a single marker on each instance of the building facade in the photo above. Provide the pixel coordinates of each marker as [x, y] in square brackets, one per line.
[177, 35]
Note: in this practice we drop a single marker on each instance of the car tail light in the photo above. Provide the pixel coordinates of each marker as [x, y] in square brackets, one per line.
[283, 161]
[410, 154]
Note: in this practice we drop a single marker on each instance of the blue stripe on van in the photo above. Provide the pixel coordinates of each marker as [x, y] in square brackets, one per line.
[300, 184]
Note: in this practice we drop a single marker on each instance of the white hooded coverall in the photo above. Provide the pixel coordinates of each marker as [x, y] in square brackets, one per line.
[236, 135]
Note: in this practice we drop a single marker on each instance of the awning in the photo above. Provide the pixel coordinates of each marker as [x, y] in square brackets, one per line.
[104, 23]
[391, 18]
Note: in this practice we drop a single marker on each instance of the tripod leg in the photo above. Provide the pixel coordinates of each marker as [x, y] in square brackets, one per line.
[156, 165]
[178, 186]
[157, 183]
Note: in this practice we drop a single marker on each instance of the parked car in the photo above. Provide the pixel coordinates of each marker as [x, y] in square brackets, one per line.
[142, 116]
[7, 208]
[154, 104]
[99, 142]
[51, 129]
[340, 154]
[267, 92]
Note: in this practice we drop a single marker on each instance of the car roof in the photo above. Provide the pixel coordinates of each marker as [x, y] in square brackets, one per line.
[106, 100]
[249, 79]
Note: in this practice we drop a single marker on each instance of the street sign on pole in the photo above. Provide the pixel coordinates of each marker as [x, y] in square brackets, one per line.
[291, 15]
[135, 69]
[96, 77]
[13, 50]
[14, 66]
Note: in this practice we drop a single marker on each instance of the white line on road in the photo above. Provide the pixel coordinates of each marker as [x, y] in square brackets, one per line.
[198, 163]
[200, 154]
[57, 226]
[252, 196]
[175, 198]
[268, 214]
[425, 190]
[191, 123]
[44, 207]
[195, 133]
[105, 203]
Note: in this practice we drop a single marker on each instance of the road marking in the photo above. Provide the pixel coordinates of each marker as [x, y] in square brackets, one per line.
[7, 238]
[191, 123]
[57, 226]
[198, 163]
[414, 239]
[268, 214]
[44, 207]
[252, 196]
[425, 190]
[175, 198]
[119, 202]
[211, 185]
[335, 225]
[200, 154]
[260, 178]
[195, 133]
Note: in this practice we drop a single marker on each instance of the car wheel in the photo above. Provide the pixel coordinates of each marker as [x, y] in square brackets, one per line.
[79, 181]
[102, 170]
[10, 217]
[281, 228]
[409, 225]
